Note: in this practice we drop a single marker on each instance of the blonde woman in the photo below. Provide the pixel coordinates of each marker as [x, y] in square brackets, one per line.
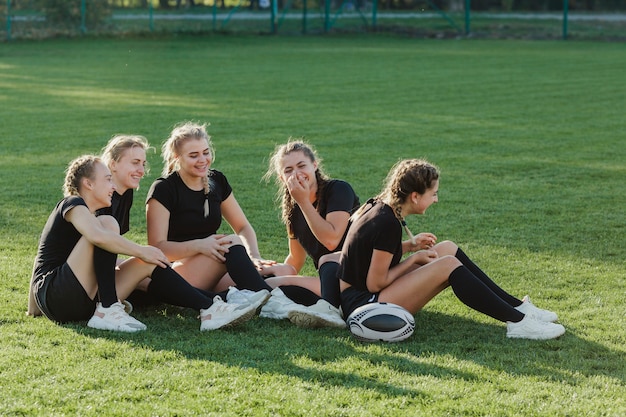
[184, 211]
[75, 277]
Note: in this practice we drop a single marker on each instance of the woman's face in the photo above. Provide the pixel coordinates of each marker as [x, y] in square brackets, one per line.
[129, 170]
[299, 165]
[427, 199]
[195, 157]
[102, 186]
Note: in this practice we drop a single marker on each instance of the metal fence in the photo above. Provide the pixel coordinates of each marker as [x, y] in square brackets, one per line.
[39, 19]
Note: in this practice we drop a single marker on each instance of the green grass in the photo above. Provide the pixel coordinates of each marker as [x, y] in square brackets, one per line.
[530, 137]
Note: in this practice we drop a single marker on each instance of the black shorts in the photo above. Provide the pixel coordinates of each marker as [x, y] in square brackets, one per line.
[351, 299]
[62, 298]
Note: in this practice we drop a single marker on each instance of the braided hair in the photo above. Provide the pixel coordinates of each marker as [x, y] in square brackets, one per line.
[407, 176]
[81, 167]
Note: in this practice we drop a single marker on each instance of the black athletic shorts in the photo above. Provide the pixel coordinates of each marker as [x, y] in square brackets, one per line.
[62, 298]
[351, 299]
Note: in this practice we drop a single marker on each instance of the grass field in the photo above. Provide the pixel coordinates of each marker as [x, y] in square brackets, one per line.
[530, 137]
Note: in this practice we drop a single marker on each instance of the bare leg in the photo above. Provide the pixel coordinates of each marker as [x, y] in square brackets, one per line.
[415, 289]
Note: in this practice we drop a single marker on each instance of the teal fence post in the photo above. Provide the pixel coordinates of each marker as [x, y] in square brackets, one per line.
[83, 12]
[565, 8]
[326, 15]
[468, 6]
[214, 15]
[304, 17]
[8, 20]
[274, 16]
[374, 12]
[151, 14]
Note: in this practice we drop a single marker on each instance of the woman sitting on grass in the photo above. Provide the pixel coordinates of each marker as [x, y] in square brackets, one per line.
[316, 210]
[184, 210]
[74, 276]
[372, 270]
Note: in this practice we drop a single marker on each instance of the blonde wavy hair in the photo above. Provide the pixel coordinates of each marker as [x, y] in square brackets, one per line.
[118, 144]
[170, 150]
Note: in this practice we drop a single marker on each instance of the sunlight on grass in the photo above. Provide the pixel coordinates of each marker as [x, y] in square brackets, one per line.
[528, 135]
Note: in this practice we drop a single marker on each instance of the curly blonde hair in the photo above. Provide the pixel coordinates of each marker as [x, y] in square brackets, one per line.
[283, 197]
[82, 167]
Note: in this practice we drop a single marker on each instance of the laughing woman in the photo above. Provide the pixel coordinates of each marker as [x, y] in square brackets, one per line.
[372, 268]
[75, 278]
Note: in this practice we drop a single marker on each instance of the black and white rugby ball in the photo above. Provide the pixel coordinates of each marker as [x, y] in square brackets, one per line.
[385, 322]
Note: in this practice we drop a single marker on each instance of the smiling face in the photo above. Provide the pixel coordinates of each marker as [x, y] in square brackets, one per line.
[194, 158]
[129, 169]
[100, 187]
[299, 165]
[430, 197]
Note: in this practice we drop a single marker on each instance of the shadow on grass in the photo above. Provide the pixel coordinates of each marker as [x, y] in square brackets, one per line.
[322, 355]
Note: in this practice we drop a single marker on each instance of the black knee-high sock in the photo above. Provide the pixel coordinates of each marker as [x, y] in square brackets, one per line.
[242, 270]
[168, 286]
[330, 283]
[300, 295]
[104, 265]
[474, 269]
[475, 294]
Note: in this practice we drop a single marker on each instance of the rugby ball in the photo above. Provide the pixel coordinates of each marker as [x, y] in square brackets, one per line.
[385, 322]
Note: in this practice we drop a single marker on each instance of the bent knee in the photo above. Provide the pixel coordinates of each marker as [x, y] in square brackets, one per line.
[109, 223]
[235, 240]
[447, 247]
[450, 261]
[330, 257]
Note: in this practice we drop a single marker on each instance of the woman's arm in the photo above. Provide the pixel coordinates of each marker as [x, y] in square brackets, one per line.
[158, 220]
[328, 231]
[234, 215]
[92, 229]
[380, 276]
[297, 255]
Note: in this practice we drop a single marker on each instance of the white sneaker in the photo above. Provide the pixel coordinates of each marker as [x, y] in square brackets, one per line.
[222, 314]
[529, 309]
[320, 314]
[278, 306]
[247, 297]
[114, 318]
[531, 328]
[128, 307]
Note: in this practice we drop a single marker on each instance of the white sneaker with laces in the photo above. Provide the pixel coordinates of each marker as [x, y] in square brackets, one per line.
[529, 309]
[248, 297]
[222, 314]
[278, 306]
[114, 318]
[532, 328]
[320, 314]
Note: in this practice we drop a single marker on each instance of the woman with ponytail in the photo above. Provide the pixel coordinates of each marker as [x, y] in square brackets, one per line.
[372, 269]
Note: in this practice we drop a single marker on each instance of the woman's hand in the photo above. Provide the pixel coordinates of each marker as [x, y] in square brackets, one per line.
[298, 187]
[423, 257]
[421, 242]
[155, 256]
[215, 246]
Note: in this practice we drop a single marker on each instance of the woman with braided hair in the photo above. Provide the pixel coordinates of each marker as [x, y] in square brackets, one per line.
[372, 269]
[75, 276]
[184, 211]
